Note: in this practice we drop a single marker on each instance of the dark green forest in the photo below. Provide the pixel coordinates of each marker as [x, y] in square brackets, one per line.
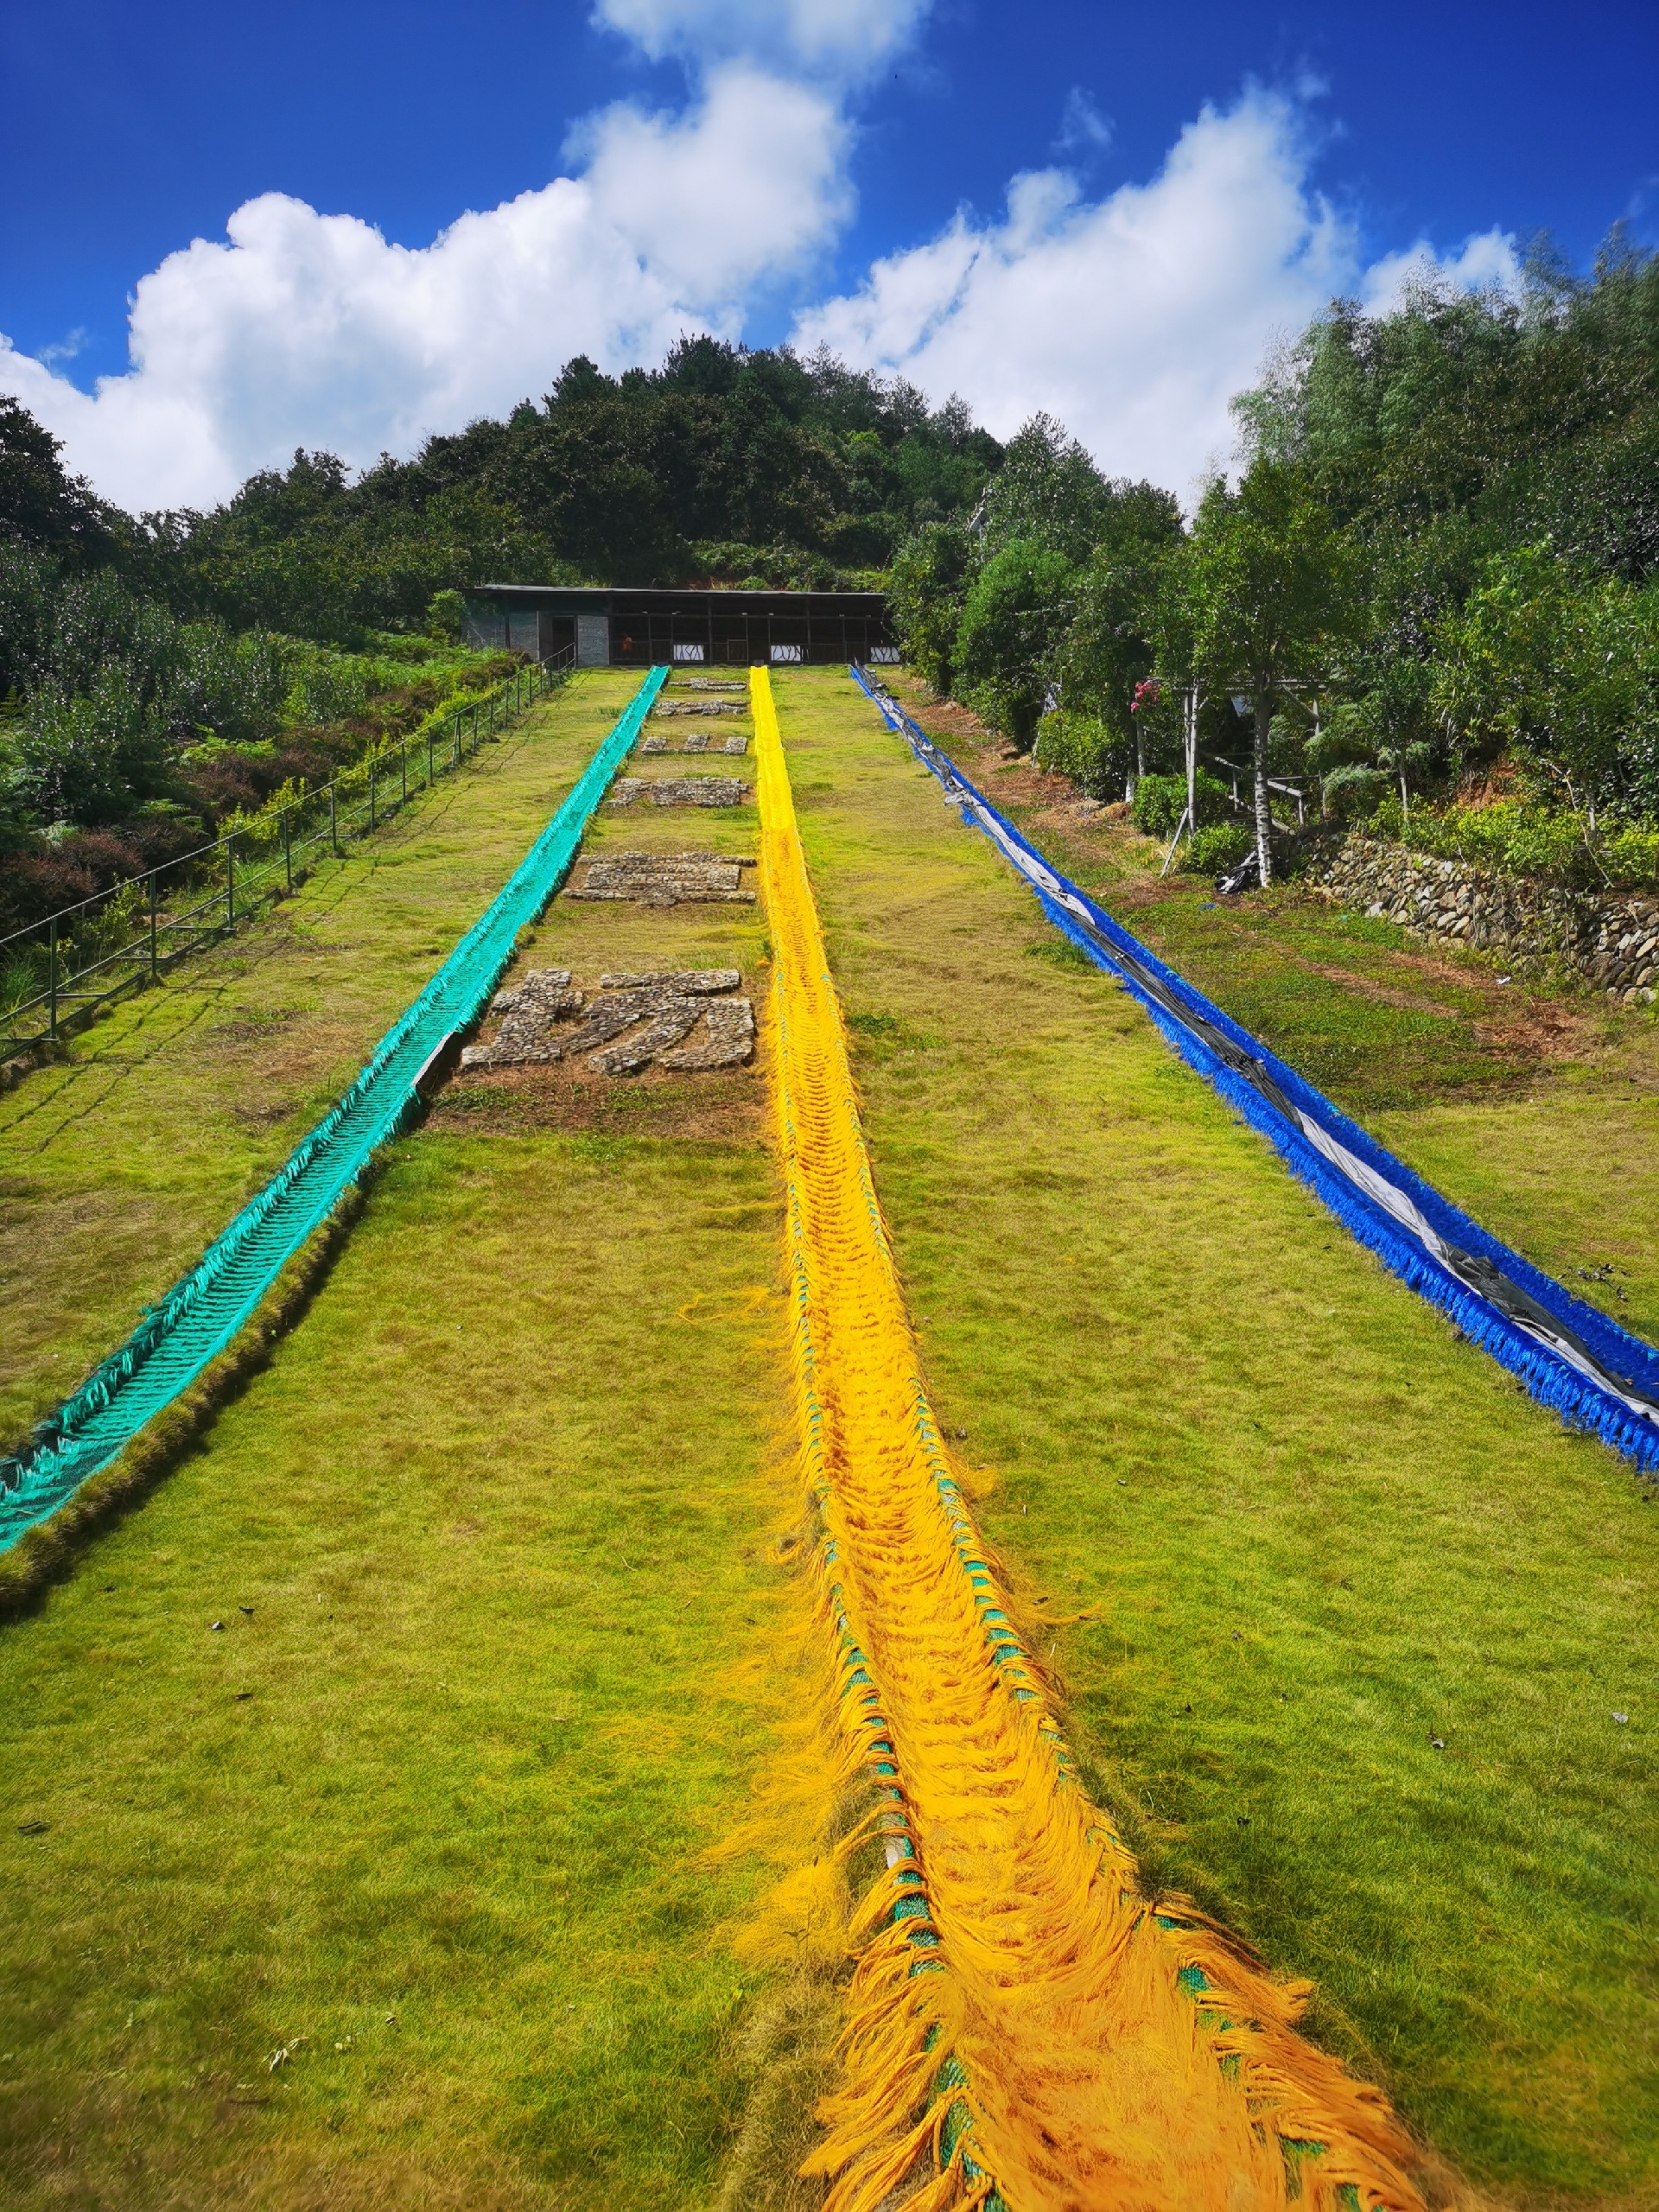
[721, 467]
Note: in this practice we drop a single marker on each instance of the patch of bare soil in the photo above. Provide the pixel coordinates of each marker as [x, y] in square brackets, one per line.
[1547, 1030]
[944, 719]
[1409, 1002]
[1010, 777]
[658, 1102]
[1511, 1020]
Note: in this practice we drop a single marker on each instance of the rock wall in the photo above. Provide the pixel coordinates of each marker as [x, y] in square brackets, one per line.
[1610, 938]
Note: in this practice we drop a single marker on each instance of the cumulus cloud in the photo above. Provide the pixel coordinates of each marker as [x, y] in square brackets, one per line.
[311, 329]
[841, 38]
[1136, 317]
[753, 185]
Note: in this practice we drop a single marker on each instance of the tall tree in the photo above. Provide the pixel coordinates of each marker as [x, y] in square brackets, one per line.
[1016, 614]
[42, 507]
[1047, 493]
[925, 590]
[1107, 650]
[1271, 585]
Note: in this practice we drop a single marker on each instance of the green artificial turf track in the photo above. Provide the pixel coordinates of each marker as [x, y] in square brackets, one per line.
[503, 1507]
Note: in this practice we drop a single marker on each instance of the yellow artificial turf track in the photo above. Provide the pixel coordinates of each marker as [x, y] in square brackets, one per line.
[1024, 2029]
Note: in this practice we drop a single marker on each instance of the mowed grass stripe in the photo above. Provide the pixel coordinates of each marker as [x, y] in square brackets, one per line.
[1315, 1532]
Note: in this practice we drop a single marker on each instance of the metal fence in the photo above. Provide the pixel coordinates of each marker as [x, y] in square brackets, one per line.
[54, 972]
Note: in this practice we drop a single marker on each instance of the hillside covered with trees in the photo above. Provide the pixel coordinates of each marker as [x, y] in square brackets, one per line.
[161, 675]
[1429, 598]
[1435, 579]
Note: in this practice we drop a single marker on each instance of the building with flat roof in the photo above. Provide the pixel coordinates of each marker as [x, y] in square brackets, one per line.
[601, 627]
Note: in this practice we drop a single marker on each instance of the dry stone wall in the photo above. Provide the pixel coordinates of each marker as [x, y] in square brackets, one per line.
[1610, 938]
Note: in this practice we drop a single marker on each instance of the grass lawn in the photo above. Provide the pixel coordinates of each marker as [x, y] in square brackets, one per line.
[1490, 1088]
[1314, 1531]
[120, 1163]
[432, 1816]
[502, 1652]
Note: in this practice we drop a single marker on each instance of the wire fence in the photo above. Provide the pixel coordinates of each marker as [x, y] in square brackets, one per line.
[54, 972]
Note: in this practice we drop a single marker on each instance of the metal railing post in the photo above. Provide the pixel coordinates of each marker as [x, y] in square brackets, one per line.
[370, 791]
[333, 823]
[154, 966]
[52, 978]
[402, 769]
[287, 849]
[230, 883]
[428, 760]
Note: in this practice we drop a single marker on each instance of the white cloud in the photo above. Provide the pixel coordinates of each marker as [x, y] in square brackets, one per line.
[846, 39]
[1084, 129]
[310, 329]
[753, 186]
[1134, 318]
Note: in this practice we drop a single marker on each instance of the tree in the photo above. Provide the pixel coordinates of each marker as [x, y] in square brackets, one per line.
[1107, 650]
[1269, 582]
[1047, 493]
[1355, 751]
[926, 589]
[1563, 671]
[41, 505]
[1016, 614]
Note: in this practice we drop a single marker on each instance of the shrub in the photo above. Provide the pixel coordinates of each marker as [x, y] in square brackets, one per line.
[1213, 850]
[107, 859]
[1160, 801]
[1082, 747]
[34, 885]
[90, 758]
[1528, 840]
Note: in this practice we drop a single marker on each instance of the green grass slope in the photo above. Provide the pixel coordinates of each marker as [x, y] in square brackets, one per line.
[1313, 1531]
[501, 1651]
[431, 1816]
[119, 1164]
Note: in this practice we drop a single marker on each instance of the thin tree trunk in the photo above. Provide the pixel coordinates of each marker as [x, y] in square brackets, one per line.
[1263, 811]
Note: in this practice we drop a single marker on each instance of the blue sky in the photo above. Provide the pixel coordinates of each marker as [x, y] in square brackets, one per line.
[133, 131]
